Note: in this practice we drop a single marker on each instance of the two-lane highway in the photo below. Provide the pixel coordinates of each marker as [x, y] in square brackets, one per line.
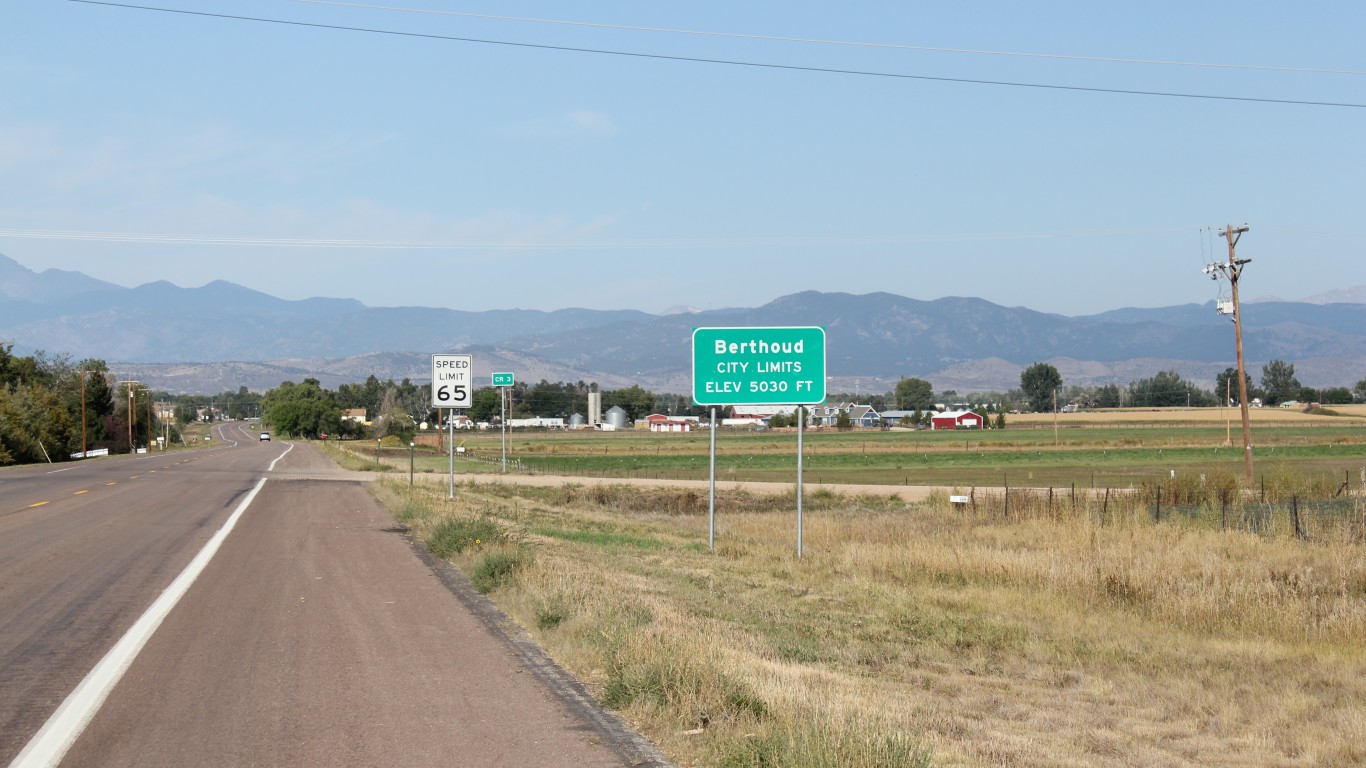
[85, 548]
[291, 625]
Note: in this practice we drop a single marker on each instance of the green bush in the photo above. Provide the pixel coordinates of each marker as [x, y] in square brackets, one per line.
[453, 536]
[498, 568]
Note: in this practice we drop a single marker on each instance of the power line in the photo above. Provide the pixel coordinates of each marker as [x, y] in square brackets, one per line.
[566, 244]
[821, 41]
[738, 63]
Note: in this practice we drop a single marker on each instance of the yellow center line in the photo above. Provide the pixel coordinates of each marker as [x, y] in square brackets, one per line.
[39, 504]
[78, 493]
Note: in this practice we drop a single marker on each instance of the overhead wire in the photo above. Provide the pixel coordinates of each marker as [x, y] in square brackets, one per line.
[563, 244]
[823, 41]
[738, 63]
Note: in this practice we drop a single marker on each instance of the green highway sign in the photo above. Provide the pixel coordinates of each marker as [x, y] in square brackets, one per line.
[502, 379]
[758, 366]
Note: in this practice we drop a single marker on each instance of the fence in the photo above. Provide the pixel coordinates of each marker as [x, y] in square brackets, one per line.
[1307, 518]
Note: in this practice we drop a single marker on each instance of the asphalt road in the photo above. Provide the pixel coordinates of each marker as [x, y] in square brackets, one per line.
[315, 636]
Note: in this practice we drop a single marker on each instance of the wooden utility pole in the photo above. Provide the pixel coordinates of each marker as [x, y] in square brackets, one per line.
[85, 452]
[1233, 270]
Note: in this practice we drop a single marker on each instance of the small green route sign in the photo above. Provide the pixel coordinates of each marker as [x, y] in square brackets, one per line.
[502, 379]
[758, 366]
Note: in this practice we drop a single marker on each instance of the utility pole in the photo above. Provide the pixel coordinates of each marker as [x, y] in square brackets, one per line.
[1055, 417]
[1233, 270]
[85, 452]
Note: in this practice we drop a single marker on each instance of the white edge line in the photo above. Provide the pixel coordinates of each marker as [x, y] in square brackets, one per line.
[61, 730]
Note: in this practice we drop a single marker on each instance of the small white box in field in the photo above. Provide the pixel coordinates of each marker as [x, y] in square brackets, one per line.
[959, 499]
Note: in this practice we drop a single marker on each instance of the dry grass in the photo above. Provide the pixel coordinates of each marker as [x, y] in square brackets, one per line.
[1048, 640]
[1206, 416]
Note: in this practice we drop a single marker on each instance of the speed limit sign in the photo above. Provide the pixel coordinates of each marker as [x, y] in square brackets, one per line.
[451, 379]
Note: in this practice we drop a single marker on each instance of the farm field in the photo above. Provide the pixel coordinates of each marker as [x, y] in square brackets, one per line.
[1127, 449]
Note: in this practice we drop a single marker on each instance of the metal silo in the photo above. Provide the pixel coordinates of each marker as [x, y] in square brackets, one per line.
[616, 417]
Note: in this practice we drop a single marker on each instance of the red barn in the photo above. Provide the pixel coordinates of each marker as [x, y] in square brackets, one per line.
[956, 420]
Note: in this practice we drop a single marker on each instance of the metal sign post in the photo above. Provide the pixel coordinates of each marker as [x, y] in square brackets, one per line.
[801, 427]
[451, 379]
[758, 366]
[502, 381]
[711, 495]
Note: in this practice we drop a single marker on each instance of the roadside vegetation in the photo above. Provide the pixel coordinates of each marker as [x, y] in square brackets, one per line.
[1043, 634]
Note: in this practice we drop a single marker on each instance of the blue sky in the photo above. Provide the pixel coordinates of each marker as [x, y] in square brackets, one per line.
[534, 178]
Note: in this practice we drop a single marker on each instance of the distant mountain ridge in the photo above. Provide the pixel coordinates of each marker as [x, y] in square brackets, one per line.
[195, 337]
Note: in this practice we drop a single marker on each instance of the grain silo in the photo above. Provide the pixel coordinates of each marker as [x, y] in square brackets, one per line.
[616, 417]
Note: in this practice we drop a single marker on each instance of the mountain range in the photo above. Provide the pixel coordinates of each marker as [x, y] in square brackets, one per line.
[222, 335]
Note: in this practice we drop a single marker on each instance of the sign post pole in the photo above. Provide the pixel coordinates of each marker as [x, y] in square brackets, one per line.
[451, 380]
[711, 495]
[502, 381]
[758, 366]
[801, 427]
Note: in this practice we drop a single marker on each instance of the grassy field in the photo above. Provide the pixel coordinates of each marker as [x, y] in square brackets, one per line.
[1126, 448]
[917, 635]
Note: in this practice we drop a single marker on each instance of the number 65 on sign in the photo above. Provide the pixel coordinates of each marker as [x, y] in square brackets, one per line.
[451, 376]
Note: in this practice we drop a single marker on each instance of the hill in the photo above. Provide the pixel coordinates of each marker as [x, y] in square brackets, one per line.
[222, 335]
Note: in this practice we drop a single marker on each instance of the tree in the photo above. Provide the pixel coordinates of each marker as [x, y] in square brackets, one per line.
[1227, 383]
[1337, 396]
[914, 395]
[483, 404]
[633, 399]
[302, 410]
[842, 421]
[1000, 420]
[1107, 396]
[1359, 391]
[1167, 389]
[1039, 382]
[1278, 379]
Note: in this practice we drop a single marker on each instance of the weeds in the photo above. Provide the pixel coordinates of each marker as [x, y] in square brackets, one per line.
[1064, 633]
[497, 569]
[825, 746]
[452, 536]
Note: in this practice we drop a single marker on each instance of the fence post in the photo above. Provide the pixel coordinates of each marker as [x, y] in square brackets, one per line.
[1223, 511]
[1006, 514]
[1105, 508]
[1050, 503]
[1159, 502]
[1295, 516]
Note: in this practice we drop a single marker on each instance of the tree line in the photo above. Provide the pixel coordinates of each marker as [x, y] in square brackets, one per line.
[309, 409]
[47, 412]
[1042, 388]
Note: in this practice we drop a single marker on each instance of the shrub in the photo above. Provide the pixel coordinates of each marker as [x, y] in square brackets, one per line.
[497, 569]
[453, 536]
